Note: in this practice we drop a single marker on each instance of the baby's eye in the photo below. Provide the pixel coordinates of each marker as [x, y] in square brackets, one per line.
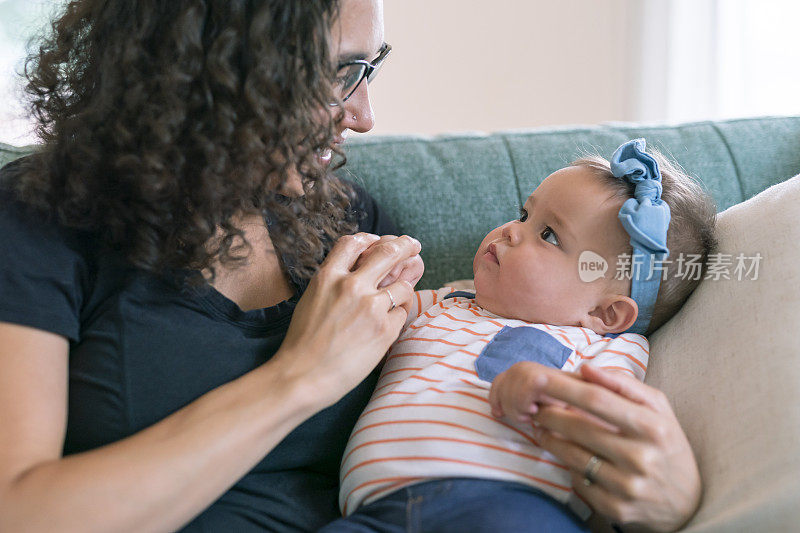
[548, 233]
[523, 214]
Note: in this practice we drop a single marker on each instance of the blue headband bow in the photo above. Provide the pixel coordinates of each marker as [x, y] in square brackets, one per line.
[646, 219]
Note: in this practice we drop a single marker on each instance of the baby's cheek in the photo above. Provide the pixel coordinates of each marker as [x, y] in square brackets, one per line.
[534, 274]
[543, 289]
[527, 286]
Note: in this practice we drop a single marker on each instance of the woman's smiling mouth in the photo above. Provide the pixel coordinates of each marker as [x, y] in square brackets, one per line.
[326, 155]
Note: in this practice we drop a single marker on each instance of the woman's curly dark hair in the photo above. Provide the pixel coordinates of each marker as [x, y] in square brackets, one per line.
[162, 121]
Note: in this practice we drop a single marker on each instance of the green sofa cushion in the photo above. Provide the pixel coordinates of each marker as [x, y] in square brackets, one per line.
[450, 190]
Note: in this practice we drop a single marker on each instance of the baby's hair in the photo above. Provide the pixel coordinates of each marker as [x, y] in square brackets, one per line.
[691, 228]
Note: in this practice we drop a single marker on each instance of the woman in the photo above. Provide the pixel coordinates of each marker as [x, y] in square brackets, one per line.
[192, 137]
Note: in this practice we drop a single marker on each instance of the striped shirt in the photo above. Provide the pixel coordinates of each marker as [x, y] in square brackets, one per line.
[429, 416]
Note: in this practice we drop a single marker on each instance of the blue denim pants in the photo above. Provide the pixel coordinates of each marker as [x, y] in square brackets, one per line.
[459, 506]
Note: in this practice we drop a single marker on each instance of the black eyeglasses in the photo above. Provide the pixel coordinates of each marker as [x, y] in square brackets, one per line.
[349, 75]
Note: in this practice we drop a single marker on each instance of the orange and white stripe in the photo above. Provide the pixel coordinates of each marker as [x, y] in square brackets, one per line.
[429, 416]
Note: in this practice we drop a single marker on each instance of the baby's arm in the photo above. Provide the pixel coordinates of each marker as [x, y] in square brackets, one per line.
[516, 394]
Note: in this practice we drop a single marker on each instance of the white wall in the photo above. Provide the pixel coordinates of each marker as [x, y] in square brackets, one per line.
[19, 19]
[717, 59]
[502, 64]
[492, 65]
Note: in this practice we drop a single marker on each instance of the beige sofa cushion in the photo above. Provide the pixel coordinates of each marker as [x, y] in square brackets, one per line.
[730, 363]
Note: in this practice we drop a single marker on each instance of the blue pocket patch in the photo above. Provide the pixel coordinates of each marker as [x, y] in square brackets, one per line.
[513, 345]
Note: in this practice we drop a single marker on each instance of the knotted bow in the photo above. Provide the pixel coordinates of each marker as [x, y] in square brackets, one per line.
[646, 219]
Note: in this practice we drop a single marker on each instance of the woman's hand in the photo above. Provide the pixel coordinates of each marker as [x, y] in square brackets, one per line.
[344, 323]
[410, 270]
[647, 476]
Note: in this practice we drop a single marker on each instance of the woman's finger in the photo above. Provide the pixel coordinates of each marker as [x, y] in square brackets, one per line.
[399, 303]
[605, 478]
[608, 481]
[392, 276]
[399, 295]
[346, 251]
[385, 257]
[371, 248]
[597, 400]
[574, 427]
[603, 500]
[626, 386]
[411, 270]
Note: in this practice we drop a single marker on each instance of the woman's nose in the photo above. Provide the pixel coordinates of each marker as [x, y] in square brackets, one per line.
[358, 115]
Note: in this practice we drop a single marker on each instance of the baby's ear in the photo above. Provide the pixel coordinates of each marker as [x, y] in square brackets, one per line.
[614, 314]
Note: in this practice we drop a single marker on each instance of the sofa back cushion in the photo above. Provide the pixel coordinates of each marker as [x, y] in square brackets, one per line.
[729, 363]
[449, 191]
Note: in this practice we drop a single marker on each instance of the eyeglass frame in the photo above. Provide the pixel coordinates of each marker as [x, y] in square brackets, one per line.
[370, 68]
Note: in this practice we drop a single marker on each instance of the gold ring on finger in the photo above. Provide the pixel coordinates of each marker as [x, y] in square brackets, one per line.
[591, 469]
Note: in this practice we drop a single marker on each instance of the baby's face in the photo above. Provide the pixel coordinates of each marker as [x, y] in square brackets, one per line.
[528, 268]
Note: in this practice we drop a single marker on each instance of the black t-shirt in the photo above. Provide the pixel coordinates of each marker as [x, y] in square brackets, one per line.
[142, 347]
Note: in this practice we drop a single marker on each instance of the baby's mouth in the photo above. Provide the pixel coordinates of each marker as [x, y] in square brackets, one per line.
[491, 252]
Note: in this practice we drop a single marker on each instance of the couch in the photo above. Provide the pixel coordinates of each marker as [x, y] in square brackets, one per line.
[728, 360]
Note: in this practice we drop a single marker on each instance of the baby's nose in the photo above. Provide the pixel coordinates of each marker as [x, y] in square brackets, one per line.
[510, 232]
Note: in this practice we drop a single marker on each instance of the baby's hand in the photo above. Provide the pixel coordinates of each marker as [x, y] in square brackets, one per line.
[515, 392]
[409, 270]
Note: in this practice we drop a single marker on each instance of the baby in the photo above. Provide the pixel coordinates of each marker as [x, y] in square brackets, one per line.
[427, 451]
